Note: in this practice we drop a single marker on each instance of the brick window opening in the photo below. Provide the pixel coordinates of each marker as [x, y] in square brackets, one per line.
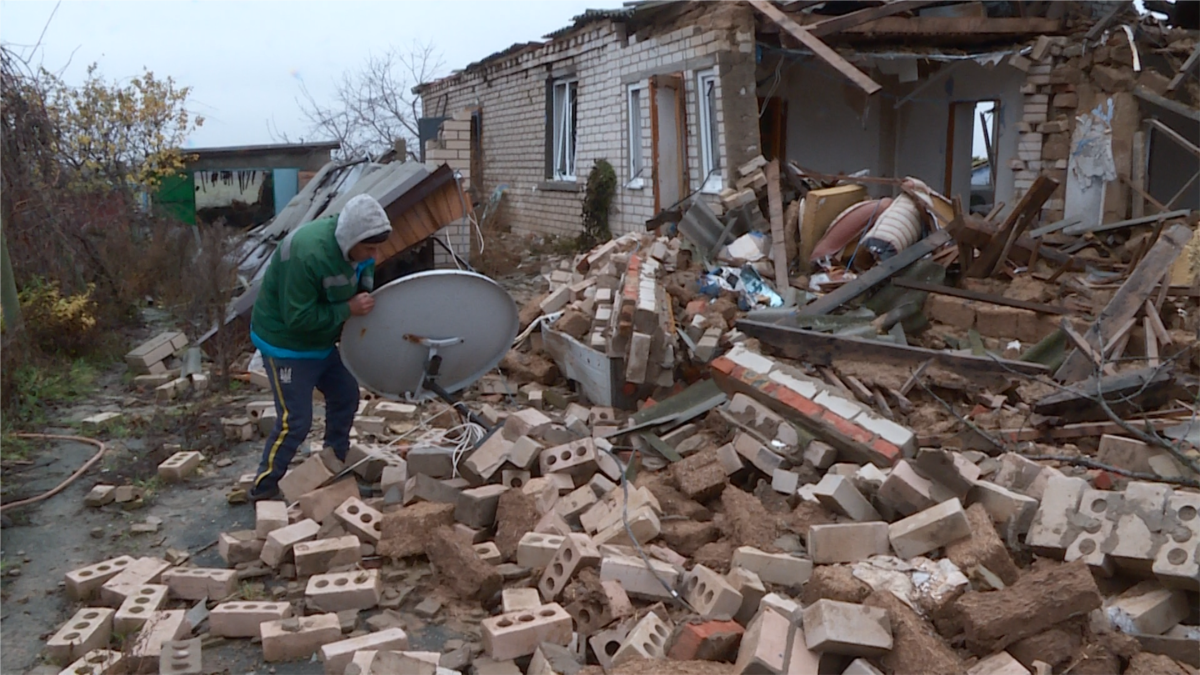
[710, 148]
[637, 156]
[563, 124]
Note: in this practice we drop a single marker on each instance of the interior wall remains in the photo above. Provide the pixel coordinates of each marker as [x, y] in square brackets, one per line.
[832, 128]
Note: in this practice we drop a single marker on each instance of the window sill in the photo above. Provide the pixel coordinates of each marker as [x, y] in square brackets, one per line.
[559, 186]
[712, 187]
[635, 184]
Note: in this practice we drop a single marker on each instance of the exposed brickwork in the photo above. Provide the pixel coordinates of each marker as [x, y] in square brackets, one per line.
[511, 94]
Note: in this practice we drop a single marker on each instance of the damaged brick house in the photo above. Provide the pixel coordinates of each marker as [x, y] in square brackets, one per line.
[678, 95]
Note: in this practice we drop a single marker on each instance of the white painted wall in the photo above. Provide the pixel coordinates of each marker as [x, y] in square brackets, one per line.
[922, 126]
[825, 126]
[831, 129]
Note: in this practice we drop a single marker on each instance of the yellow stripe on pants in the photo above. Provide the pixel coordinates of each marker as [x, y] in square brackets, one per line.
[283, 429]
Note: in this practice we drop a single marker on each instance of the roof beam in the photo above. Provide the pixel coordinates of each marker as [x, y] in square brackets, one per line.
[934, 26]
[841, 23]
[822, 50]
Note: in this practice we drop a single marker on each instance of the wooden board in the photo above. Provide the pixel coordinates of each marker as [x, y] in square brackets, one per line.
[1065, 432]
[992, 256]
[598, 375]
[877, 274]
[1128, 300]
[823, 349]
[841, 23]
[1146, 389]
[822, 50]
[990, 298]
[778, 238]
[940, 26]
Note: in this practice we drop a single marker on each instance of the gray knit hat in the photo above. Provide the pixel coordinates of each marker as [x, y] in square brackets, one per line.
[362, 218]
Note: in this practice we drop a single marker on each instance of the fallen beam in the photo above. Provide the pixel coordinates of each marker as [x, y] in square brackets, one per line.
[1166, 103]
[823, 350]
[990, 298]
[822, 50]
[855, 18]
[1065, 432]
[992, 256]
[1126, 394]
[1128, 300]
[942, 26]
[1144, 220]
[1178, 79]
[877, 274]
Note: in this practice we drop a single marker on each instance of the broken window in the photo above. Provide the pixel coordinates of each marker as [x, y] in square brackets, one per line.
[637, 155]
[710, 149]
[565, 110]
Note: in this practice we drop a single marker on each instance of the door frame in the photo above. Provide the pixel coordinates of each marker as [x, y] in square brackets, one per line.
[675, 82]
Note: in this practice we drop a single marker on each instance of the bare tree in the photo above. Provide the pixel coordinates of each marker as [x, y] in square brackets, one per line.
[374, 104]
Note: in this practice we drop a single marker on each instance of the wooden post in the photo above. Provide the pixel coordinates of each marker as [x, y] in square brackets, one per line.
[1138, 209]
[8, 288]
[778, 237]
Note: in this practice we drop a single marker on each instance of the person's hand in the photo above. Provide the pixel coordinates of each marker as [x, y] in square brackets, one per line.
[361, 304]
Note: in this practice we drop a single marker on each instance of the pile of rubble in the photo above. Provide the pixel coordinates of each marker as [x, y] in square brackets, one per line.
[763, 518]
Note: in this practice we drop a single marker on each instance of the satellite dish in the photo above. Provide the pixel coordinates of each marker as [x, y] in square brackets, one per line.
[464, 318]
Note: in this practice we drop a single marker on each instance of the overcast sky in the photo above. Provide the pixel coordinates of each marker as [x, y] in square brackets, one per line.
[245, 60]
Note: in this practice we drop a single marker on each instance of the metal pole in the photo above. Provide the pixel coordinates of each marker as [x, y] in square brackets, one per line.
[9, 301]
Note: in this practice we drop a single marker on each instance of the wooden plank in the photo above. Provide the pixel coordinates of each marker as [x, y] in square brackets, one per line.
[990, 298]
[877, 274]
[822, 50]
[1137, 179]
[1144, 220]
[944, 26]
[823, 349]
[1065, 432]
[841, 23]
[914, 378]
[1166, 103]
[1127, 394]
[1185, 69]
[778, 238]
[1175, 136]
[995, 253]
[1151, 343]
[1053, 227]
[1105, 21]
[977, 233]
[1119, 340]
[1129, 299]
[1156, 324]
[1092, 355]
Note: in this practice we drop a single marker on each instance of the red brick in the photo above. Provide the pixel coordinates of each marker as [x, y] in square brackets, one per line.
[1103, 481]
[709, 641]
[847, 428]
[696, 307]
[887, 452]
[798, 403]
[723, 365]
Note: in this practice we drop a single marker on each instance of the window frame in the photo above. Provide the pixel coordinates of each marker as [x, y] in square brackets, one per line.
[564, 128]
[637, 155]
[708, 137]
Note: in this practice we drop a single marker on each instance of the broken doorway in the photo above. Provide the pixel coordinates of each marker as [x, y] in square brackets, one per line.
[971, 153]
[668, 140]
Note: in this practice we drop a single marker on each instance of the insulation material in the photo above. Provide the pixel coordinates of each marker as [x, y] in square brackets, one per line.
[902, 224]
[1090, 166]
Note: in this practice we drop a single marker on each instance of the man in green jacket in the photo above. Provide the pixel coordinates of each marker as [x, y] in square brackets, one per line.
[320, 275]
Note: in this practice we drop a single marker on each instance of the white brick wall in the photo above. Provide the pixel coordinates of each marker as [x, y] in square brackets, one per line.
[511, 96]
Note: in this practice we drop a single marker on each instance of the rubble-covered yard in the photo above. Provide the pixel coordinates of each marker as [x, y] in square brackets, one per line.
[803, 431]
[842, 501]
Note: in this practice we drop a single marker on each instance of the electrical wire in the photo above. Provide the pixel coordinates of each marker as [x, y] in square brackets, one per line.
[629, 531]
